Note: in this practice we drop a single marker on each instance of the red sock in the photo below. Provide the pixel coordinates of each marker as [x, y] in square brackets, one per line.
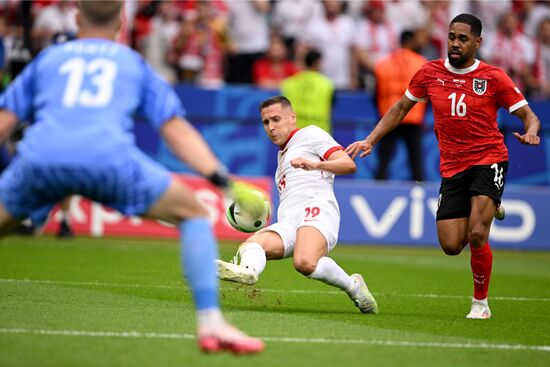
[482, 263]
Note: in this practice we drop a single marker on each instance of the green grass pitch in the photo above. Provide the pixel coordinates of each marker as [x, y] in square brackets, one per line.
[120, 302]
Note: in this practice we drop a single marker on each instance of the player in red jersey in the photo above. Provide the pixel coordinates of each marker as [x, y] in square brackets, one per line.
[465, 94]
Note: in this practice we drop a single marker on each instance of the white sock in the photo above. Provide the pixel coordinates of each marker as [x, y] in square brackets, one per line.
[210, 319]
[331, 273]
[485, 301]
[252, 255]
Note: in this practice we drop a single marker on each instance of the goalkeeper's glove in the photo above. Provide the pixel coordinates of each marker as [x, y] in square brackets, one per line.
[221, 179]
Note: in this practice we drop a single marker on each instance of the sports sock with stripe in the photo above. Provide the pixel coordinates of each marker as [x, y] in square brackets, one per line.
[481, 262]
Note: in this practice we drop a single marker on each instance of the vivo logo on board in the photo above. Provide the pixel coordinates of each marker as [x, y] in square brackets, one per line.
[415, 205]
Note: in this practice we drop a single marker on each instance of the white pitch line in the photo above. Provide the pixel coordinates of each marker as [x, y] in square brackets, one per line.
[378, 342]
[271, 290]
[96, 284]
[492, 298]
[105, 334]
[425, 295]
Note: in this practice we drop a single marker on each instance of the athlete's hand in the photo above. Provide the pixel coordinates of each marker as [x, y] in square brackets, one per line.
[528, 139]
[305, 164]
[365, 146]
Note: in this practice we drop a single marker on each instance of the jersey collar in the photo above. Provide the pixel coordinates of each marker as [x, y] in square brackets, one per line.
[282, 147]
[461, 71]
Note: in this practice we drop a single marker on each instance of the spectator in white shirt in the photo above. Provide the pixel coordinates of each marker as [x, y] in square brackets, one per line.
[539, 84]
[164, 27]
[57, 18]
[332, 35]
[249, 34]
[374, 39]
[290, 17]
[510, 50]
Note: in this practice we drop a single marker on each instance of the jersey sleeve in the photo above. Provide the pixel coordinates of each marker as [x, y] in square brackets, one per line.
[159, 101]
[508, 95]
[417, 86]
[323, 144]
[18, 97]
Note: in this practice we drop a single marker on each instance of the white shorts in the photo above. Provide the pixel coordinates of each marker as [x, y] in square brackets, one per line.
[323, 215]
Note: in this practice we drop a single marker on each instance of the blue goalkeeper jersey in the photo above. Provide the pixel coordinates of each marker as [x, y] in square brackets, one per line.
[81, 99]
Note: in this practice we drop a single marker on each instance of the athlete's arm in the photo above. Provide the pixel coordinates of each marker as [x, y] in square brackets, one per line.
[16, 102]
[389, 121]
[531, 126]
[189, 146]
[338, 163]
[8, 121]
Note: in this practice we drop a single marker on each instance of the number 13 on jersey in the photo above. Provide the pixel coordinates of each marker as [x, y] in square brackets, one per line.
[102, 73]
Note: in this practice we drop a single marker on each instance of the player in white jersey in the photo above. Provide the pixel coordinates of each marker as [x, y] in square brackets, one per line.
[308, 213]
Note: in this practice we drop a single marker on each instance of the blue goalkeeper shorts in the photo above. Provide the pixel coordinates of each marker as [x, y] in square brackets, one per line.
[130, 184]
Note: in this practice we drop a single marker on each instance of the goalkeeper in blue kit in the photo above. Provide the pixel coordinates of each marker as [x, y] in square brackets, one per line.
[80, 98]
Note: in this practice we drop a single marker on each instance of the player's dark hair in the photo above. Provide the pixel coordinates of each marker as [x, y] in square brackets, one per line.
[406, 36]
[471, 20]
[100, 12]
[312, 57]
[274, 100]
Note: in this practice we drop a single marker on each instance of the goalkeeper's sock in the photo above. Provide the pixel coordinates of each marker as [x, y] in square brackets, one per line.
[199, 252]
[327, 271]
[252, 255]
[210, 319]
[481, 262]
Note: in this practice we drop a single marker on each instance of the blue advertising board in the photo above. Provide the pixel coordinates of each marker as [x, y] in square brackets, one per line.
[229, 120]
[404, 213]
[393, 212]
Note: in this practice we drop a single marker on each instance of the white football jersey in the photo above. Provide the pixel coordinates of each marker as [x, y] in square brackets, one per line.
[296, 185]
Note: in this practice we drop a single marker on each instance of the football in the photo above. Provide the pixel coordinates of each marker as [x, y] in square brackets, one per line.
[250, 210]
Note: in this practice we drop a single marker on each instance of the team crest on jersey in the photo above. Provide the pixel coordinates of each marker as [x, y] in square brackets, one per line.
[480, 86]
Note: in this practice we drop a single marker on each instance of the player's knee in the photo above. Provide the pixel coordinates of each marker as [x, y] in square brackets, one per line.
[478, 236]
[274, 253]
[304, 265]
[270, 243]
[452, 249]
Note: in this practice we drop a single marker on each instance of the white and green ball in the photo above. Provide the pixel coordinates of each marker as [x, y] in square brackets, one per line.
[250, 210]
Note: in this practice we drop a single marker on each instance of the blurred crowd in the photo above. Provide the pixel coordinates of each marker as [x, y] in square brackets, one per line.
[262, 42]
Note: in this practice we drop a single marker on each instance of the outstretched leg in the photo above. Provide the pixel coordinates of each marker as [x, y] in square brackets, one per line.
[199, 251]
[310, 259]
[251, 258]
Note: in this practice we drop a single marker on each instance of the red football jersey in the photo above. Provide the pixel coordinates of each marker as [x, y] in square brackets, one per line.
[465, 104]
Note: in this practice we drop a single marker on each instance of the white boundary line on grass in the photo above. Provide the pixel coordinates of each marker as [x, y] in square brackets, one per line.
[421, 295]
[387, 343]
[97, 284]
[300, 291]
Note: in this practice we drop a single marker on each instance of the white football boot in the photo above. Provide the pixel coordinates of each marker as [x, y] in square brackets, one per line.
[361, 296]
[480, 310]
[236, 273]
[500, 213]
